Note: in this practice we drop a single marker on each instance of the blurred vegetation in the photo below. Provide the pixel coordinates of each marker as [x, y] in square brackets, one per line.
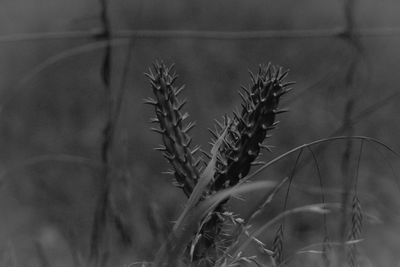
[53, 110]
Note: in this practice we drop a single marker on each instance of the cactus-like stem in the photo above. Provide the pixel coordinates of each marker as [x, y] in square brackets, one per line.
[177, 142]
[245, 137]
[242, 146]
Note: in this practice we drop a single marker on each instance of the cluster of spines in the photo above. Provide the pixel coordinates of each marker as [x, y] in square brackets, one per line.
[249, 129]
[176, 146]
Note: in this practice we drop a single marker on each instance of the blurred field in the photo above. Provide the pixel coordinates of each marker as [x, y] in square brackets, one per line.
[53, 110]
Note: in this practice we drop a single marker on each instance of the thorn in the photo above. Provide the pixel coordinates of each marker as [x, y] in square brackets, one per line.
[150, 101]
[266, 147]
[249, 125]
[263, 99]
[268, 66]
[195, 150]
[268, 72]
[227, 144]
[254, 105]
[173, 79]
[243, 121]
[212, 141]
[173, 73]
[150, 75]
[168, 172]
[284, 91]
[252, 77]
[288, 84]
[157, 66]
[265, 126]
[188, 142]
[218, 169]
[278, 72]
[227, 121]
[189, 126]
[179, 90]
[155, 86]
[169, 156]
[214, 134]
[200, 168]
[178, 122]
[157, 130]
[279, 111]
[246, 90]
[185, 116]
[244, 99]
[198, 161]
[161, 148]
[236, 134]
[219, 124]
[245, 107]
[223, 161]
[179, 106]
[268, 128]
[205, 154]
[283, 75]
[160, 113]
[252, 153]
[260, 97]
[154, 120]
[177, 184]
[171, 67]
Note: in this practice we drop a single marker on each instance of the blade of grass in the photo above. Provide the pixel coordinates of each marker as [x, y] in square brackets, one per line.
[314, 143]
[309, 248]
[205, 178]
[320, 208]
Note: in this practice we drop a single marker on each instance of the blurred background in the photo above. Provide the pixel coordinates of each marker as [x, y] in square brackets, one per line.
[60, 75]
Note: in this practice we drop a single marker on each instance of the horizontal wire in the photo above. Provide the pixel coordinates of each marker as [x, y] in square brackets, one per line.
[194, 34]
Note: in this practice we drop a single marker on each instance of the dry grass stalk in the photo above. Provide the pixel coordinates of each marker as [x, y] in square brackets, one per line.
[100, 230]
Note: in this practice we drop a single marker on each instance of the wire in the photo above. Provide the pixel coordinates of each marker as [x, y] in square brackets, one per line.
[193, 34]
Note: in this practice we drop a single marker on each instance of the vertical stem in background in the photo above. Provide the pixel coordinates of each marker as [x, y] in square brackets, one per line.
[350, 38]
[99, 236]
[104, 213]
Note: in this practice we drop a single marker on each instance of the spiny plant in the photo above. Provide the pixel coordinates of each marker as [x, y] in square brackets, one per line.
[242, 139]
[176, 146]
[206, 232]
